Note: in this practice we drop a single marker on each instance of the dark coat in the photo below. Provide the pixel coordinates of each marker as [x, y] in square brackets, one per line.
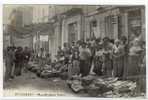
[26, 55]
[18, 56]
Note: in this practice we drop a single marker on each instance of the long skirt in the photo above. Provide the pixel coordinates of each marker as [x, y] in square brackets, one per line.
[98, 67]
[18, 68]
[118, 64]
[75, 67]
[9, 66]
[133, 68]
[125, 66]
[142, 80]
[107, 68]
[69, 71]
[84, 67]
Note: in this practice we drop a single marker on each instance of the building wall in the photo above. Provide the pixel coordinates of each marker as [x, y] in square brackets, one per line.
[143, 24]
[18, 21]
[52, 46]
[40, 13]
[6, 41]
[66, 22]
[27, 15]
[128, 30]
[22, 16]
[124, 26]
[54, 40]
[19, 17]
[22, 42]
[58, 34]
[101, 30]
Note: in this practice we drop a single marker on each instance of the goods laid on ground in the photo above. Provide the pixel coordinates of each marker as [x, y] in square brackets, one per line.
[92, 85]
[33, 67]
[47, 71]
[48, 74]
[75, 85]
[102, 87]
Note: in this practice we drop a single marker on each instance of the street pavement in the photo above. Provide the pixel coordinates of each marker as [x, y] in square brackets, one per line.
[28, 84]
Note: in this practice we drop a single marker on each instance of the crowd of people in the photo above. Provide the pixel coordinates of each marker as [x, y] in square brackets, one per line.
[103, 57]
[16, 60]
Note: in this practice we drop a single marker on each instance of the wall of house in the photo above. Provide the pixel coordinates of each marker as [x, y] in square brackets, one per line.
[6, 41]
[22, 42]
[66, 22]
[143, 24]
[57, 37]
[100, 30]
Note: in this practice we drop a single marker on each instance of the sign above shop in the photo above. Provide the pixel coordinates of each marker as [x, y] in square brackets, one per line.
[43, 37]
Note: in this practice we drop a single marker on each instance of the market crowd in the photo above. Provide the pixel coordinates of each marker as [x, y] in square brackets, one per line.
[16, 59]
[103, 57]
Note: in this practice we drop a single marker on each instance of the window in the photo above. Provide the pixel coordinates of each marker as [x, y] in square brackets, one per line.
[110, 22]
[72, 32]
[93, 28]
[109, 26]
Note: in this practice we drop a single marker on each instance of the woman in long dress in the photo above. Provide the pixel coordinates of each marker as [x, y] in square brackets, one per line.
[9, 63]
[107, 62]
[18, 61]
[75, 63]
[84, 60]
[118, 59]
[125, 56]
[98, 61]
[134, 60]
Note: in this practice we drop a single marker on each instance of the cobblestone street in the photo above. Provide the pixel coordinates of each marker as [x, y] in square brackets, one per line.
[30, 85]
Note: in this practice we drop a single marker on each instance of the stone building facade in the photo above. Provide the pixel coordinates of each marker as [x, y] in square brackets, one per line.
[69, 23]
[18, 18]
[112, 21]
[115, 22]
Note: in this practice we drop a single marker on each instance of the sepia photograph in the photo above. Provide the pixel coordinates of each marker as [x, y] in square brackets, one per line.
[74, 50]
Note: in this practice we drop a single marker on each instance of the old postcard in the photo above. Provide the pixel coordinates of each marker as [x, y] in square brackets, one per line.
[74, 50]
